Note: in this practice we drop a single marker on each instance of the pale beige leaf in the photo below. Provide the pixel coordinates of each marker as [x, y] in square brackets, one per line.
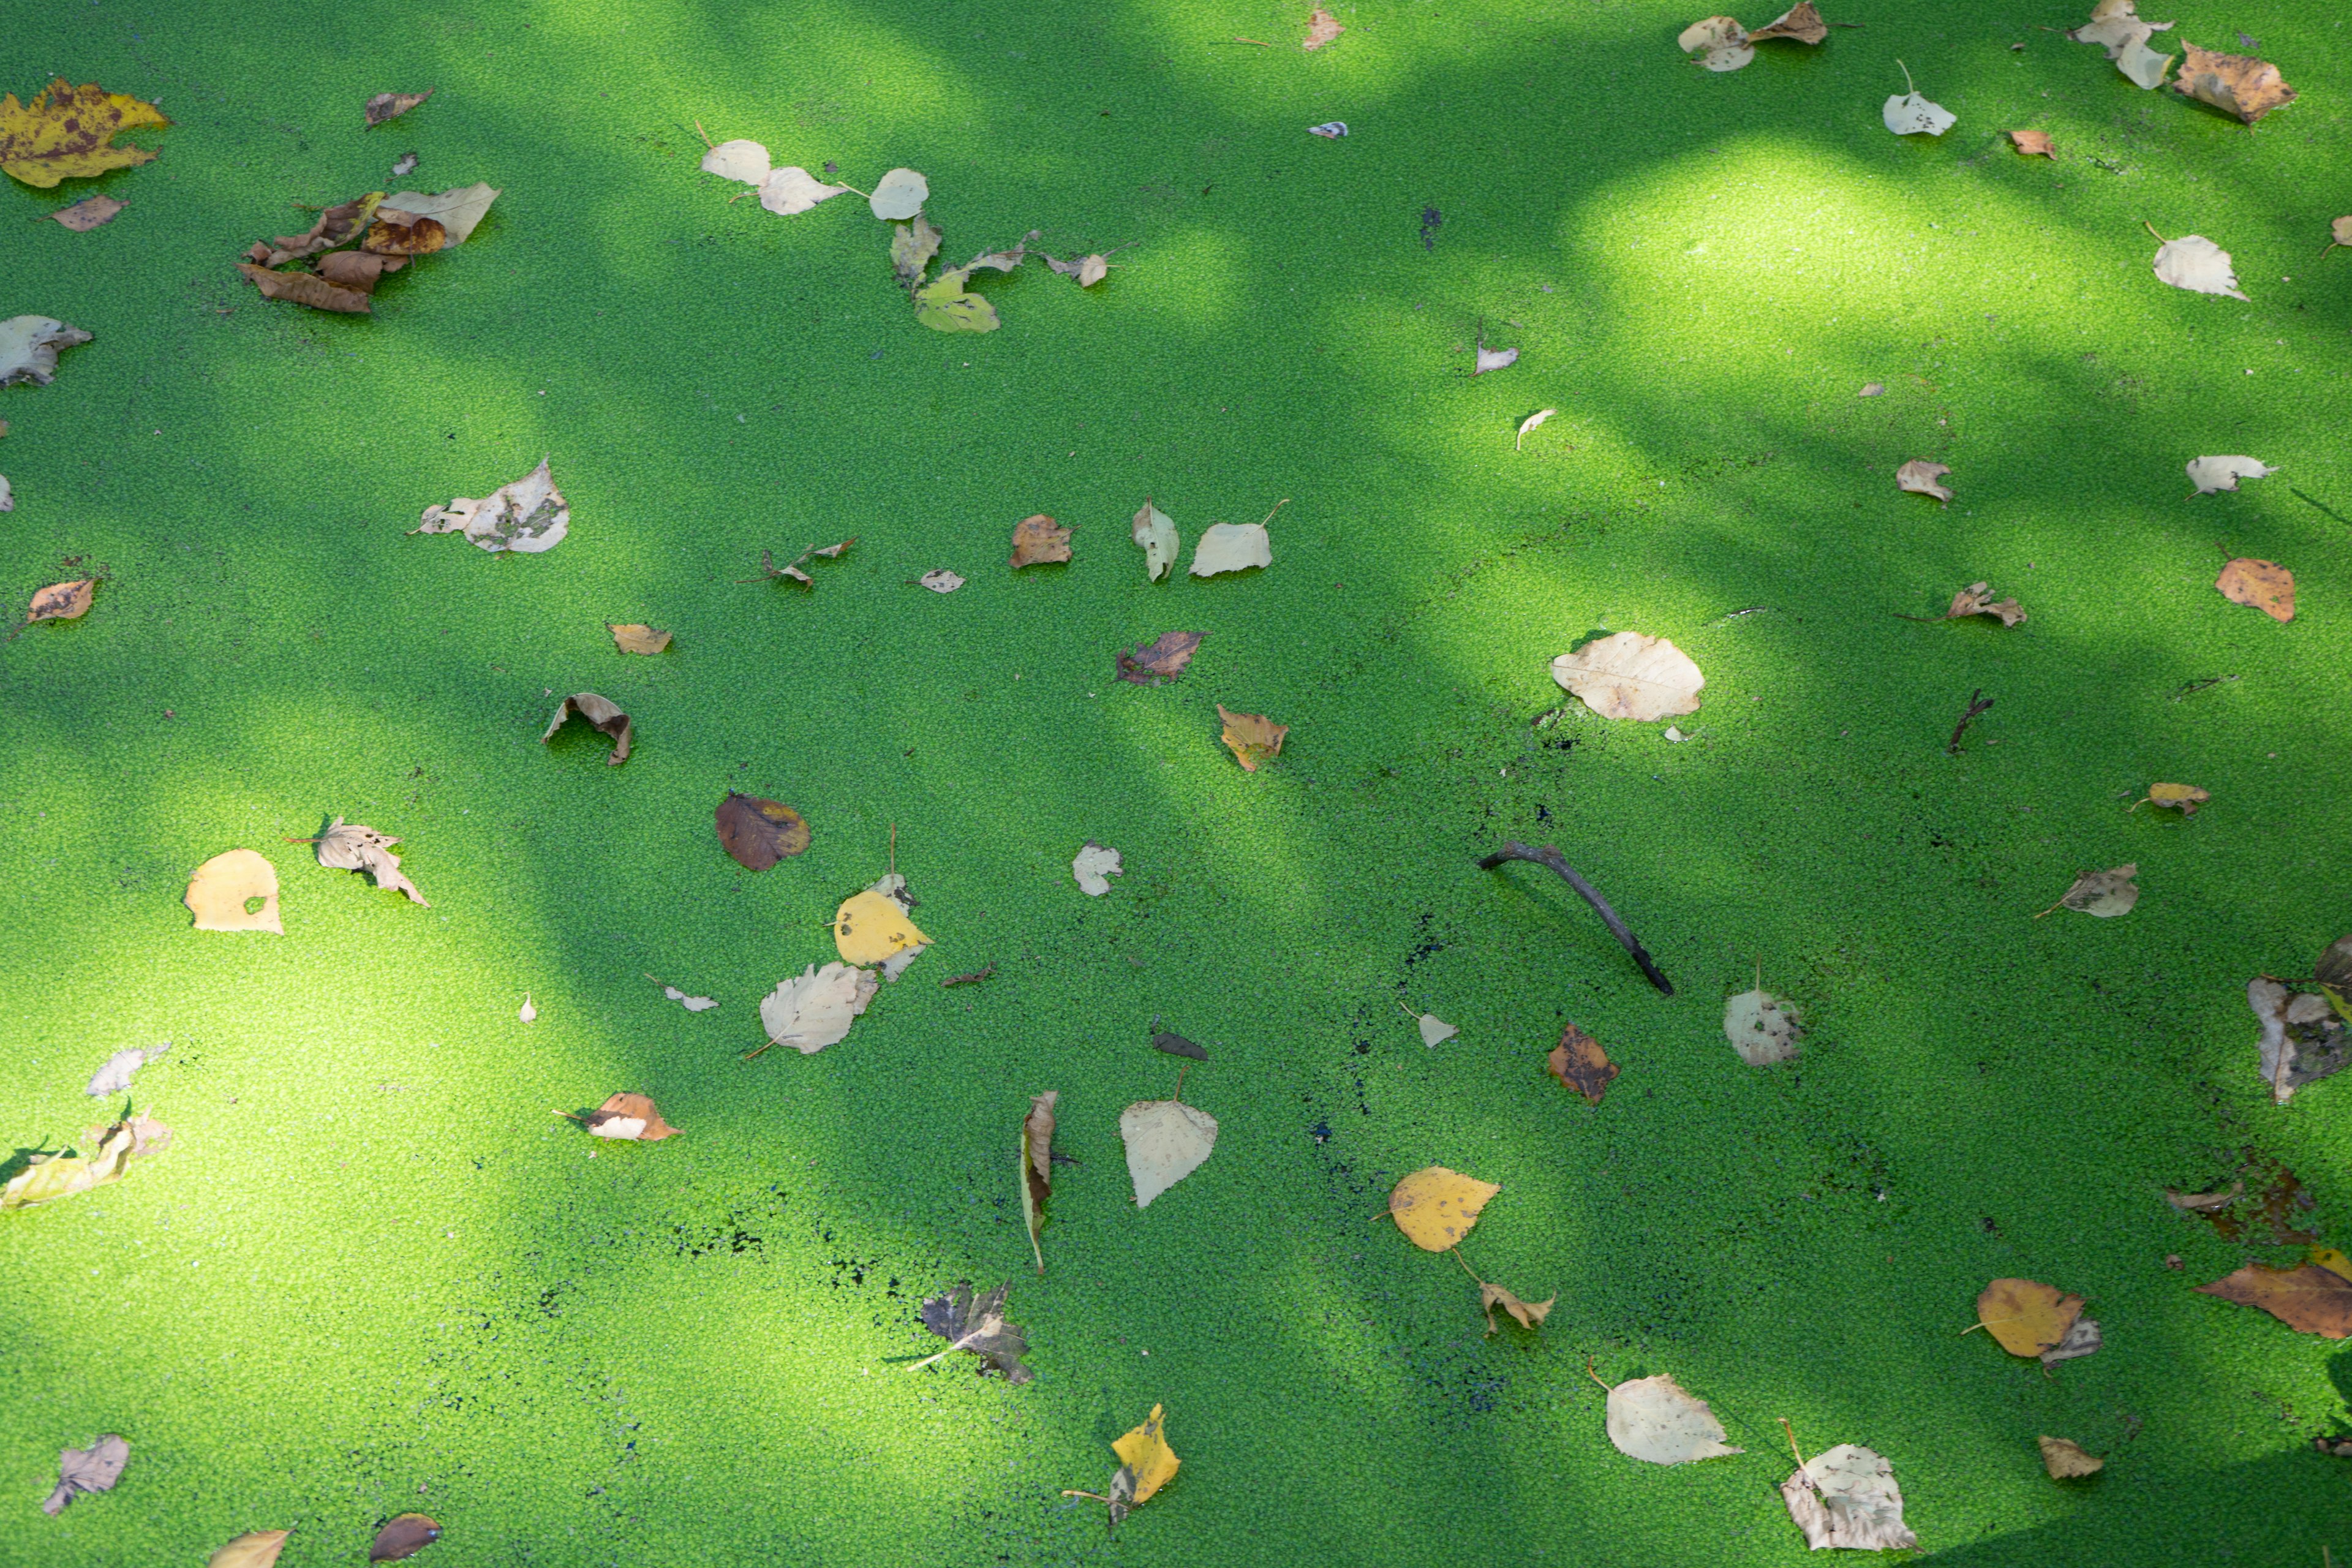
[255, 1549]
[2211, 474]
[1155, 533]
[2114, 24]
[1848, 1498]
[2104, 894]
[2066, 1460]
[815, 1009]
[600, 711]
[1720, 42]
[1231, 547]
[1530, 1314]
[793, 189]
[635, 637]
[1529, 423]
[901, 194]
[940, 581]
[1322, 28]
[1654, 1419]
[529, 516]
[1909, 114]
[2195, 263]
[223, 887]
[1093, 866]
[738, 160]
[1762, 1027]
[457, 211]
[1166, 1142]
[1919, 476]
[1629, 675]
[29, 345]
[1434, 1030]
[354, 846]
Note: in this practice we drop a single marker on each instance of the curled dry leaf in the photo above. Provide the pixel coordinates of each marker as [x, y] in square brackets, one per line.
[65, 132]
[630, 1116]
[940, 581]
[386, 106]
[2104, 894]
[2184, 798]
[2117, 27]
[1436, 1207]
[1037, 1166]
[1919, 476]
[600, 711]
[310, 288]
[29, 345]
[2304, 1039]
[254, 1549]
[791, 190]
[978, 1326]
[691, 1004]
[1578, 1062]
[525, 1013]
[1038, 540]
[741, 160]
[636, 638]
[2316, 1298]
[113, 1076]
[1231, 547]
[1331, 130]
[2066, 1460]
[901, 194]
[1762, 1027]
[235, 891]
[1165, 1141]
[1322, 28]
[2195, 263]
[1802, 24]
[457, 210]
[529, 515]
[1161, 660]
[2211, 474]
[1093, 866]
[758, 832]
[2082, 1339]
[1253, 737]
[1529, 423]
[2234, 84]
[1720, 42]
[2264, 585]
[62, 601]
[1848, 1498]
[47, 1177]
[1629, 675]
[88, 214]
[1654, 1419]
[2026, 1318]
[815, 1009]
[93, 1470]
[1492, 359]
[2033, 143]
[1530, 1314]
[352, 846]
[876, 927]
[1977, 599]
[405, 1536]
[1088, 271]
[1155, 534]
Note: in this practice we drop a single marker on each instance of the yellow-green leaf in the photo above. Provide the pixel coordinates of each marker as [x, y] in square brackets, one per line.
[944, 305]
[62, 134]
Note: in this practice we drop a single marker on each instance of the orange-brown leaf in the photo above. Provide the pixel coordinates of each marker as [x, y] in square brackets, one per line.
[1578, 1062]
[305, 289]
[2264, 585]
[629, 1116]
[1252, 736]
[62, 601]
[2310, 1299]
[1037, 539]
[2236, 84]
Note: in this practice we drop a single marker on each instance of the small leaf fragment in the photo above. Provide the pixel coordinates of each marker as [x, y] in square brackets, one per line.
[691, 1004]
[978, 1326]
[940, 580]
[1092, 866]
[219, 893]
[1155, 533]
[1322, 28]
[254, 1549]
[1088, 270]
[1530, 1314]
[1578, 1062]
[113, 1076]
[636, 638]
[912, 247]
[87, 213]
[1161, 660]
[2033, 143]
[628, 1116]
[353, 847]
[1529, 423]
[1920, 477]
[2211, 474]
[1977, 599]
[529, 515]
[2183, 798]
[1488, 359]
[2066, 1460]
[65, 132]
[2104, 894]
[386, 106]
[1654, 1419]
[29, 345]
[2264, 585]
[405, 1536]
[1762, 1027]
[1231, 547]
[600, 711]
[93, 1470]
[1165, 1141]
[1037, 539]
[1629, 675]
[1037, 1166]
[1252, 737]
[758, 832]
[811, 1011]
[2082, 1338]
[2195, 263]
[1720, 42]
[1436, 1207]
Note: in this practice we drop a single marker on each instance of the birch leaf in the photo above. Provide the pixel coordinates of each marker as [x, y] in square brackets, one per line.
[235, 891]
[2264, 585]
[901, 194]
[1848, 1498]
[1145, 1451]
[529, 515]
[2195, 263]
[1037, 1166]
[64, 132]
[875, 926]
[1436, 1207]
[1161, 660]
[29, 345]
[1654, 1420]
[457, 210]
[1231, 547]
[1720, 42]
[1165, 1141]
[1908, 114]
[1492, 359]
[1434, 1030]
[739, 159]
[791, 190]
[1762, 1027]
[1252, 737]
[355, 848]
[1155, 533]
[2211, 474]
[815, 1009]
[62, 601]
[2026, 1317]
[2235, 84]
[600, 711]
[1093, 866]
[254, 1549]
[1919, 476]
[1629, 675]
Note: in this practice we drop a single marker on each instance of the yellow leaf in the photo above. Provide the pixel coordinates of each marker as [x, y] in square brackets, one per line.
[872, 925]
[2186, 798]
[2025, 1317]
[63, 133]
[1145, 1451]
[223, 887]
[2335, 1262]
[1436, 1207]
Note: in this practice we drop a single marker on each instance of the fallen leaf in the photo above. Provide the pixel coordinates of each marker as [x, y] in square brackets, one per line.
[1036, 540]
[2024, 1317]
[353, 848]
[945, 305]
[7, 496]
[1436, 1207]
[2205, 1203]
[2082, 1338]
[1177, 1046]
[1873, 389]
[1762, 1027]
[1976, 599]
[758, 832]
[2339, 232]
[815, 1009]
[630, 1116]
[405, 1536]
[978, 1326]
[113, 1076]
[336, 224]
[1231, 547]
[529, 515]
[1093, 866]
[1655, 1420]
[1322, 28]
[1155, 534]
[1848, 1498]
[2211, 474]
[2031, 143]
[255, 1549]
[2264, 585]
[402, 234]
[1629, 675]
[1434, 1030]
[62, 601]
[1122, 1496]
[2235, 84]
[2066, 1460]
[1331, 130]
[457, 210]
[940, 581]
[2334, 1447]
[47, 1177]
[1909, 114]
[224, 888]
[1802, 24]
[29, 345]
[2304, 1039]
[2185, 798]
[1719, 41]
[1530, 1314]
[357, 271]
[65, 131]
[1919, 476]
[2333, 973]
[2195, 263]
[691, 1004]
[972, 979]
[912, 247]
[1529, 423]
[1145, 1451]
[901, 194]
[600, 711]
[1253, 737]
[386, 106]
[1494, 359]
[2114, 22]
[874, 927]
[2311, 1300]
[307, 288]
[793, 189]
[634, 637]
[2105, 894]
[1037, 1166]
[1161, 660]
[1674, 734]
[741, 160]
[526, 1013]
[1578, 1062]
[87, 213]
[1165, 1141]
[93, 1470]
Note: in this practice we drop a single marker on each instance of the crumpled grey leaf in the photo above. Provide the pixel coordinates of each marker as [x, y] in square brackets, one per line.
[979, 1326]
[2082, 1337]
[114, 1076]
[354, 846]
[2301, 1029]
[93, 1470]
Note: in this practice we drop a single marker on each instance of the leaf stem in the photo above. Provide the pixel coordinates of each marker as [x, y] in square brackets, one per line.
[2159, 238]
[1456, 1251]
[1596, 1376]
[1277, 507]
[1913, 87]
[1791, 1431]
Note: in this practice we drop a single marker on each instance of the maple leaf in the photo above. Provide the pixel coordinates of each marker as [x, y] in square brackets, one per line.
[1253, 737]
[353, 848]
[758, 832]
[978, 1326]
[65, 132]
[1160, 661]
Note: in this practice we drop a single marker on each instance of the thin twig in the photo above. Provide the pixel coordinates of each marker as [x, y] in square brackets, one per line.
[1978, 703]
[1513, 849]
[1791, 1431]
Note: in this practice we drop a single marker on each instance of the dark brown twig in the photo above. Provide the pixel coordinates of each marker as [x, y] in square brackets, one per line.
[1550, 857]
[1978, 703]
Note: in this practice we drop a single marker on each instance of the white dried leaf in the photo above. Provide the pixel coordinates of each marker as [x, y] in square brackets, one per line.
[1723, 39]
[2195, 263]
[1434, 1030]
[2144, 65]
[2211, 474]
[1494, 359]
[1231, 547]
[744, 160]
[691, 1004]
[1920, 477]
[1092, 864]
[900, 195]
[457, 211]
[2114, 24]
[1908, 114]
[896, 964]
[814, 1010]
[1155, 533]
[529, 515]
[7, 496]
[940, 581]
[1166, 1142]
[113, 1075]
[1848, 1498]
[1652, 1418]
[1762, 1027]
[1529, 423]
[526, 1013]
[793, 189]
[1629, 675]
[29, 345]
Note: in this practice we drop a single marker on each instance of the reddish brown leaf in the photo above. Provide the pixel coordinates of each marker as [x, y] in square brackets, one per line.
[1156, 663]
[403, 1537]
[2265, 585]
[757, 832]
[1037, 539]
[335, 225]
[305, 289]
[403, 234]
[2310, 1299]
[353, 270]
[1578, 1062]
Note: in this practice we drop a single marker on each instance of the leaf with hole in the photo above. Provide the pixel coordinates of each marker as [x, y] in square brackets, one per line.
[235, 891]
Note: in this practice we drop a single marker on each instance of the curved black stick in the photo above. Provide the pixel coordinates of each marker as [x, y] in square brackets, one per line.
[1513, 849]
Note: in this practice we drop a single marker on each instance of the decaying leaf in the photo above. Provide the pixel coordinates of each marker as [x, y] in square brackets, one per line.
[1037, 1166]
[2304, 1039]
[350, 847]
[2235, 84]
[65, 132]
[235, 891]
[2105, 894]
[1578, 1062]
[405, 1536]
[1088, 271]
[1161, 660]
[1720, 42]
[1762, 1027]
[62, 601]
[977, 1326]
[2264, 585]
[1155, 533]
[2316, 1298]
[1848, 1498]
[901, 194]
[525, 1013]
[1436, 1207]
[1093, 866]
[1231, 547]
[1166, 1142]
[1253, 737]
[912, 247]
[386, 106]
[1145, 1451]
[1329, 129]
[1802, 24]
[2112, 23]
[2033, 143]
[2026, 1318]
[2184, 798]
[1530, 1314]
[815, 1009]
[1655, 1420]
[2205, 1203]
[310, 289]
[1037, 539]
[876, 927]
[29, 345]
[457, 210]
[113, 1076]
[2195, 263]
[758, 832]
[48, 1177]
[1322, 28]
[691, 1004]
[1909, 114]
[2066, 1460]
[2082, 1339]
[88, 214]
[945, 305]
[1629, 675]
[1177, 1046]
[1488, 359]
[254, 1549]
[600, 711]
[93, 1470]
[529, 515]
[1919, 476]
[940, 580]
[7, 496]
[1529, 423]
[2211, 474]
[635, 637]
[630, 1116]
[1977, 599]
[740, 159]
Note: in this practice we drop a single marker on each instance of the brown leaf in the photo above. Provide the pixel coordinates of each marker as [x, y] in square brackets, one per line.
[1974, 600]
[627, 1116]
[2265, 585]
[2310, 1299]
[62, 601]
[352, 846]
[336, 226]
[1321, 28]
[404, 233]
[386, 106]
[88, 213]
[758, 832]
[1156, 663]
[305, 289]
[600, 711]
[1037, 1166]
[1919, 476]
[2031, 142]
[633, 637]
[354, 270]
[1088, 271]
[2235, 84]
[1036, 539]
[1802, 22]
[2066, 1460]
[1530, 1314]
[2205, 1203]
[403, 1537]
[1252, 736]
[1578, 1062]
